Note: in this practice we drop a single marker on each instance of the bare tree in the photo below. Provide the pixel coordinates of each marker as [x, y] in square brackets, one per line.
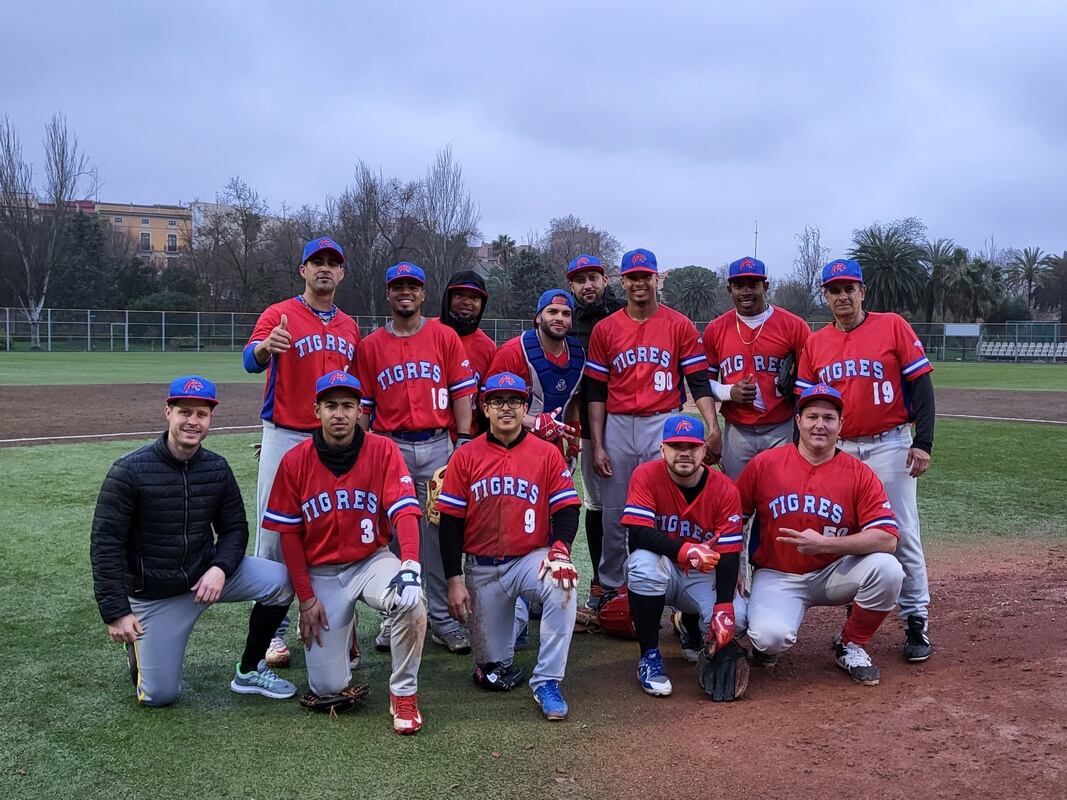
[34, 226]
[809, 261]
[449, 220]
[376, 220]
[568, 237]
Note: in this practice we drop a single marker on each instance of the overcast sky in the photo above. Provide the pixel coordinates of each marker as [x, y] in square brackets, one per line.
[674, 125]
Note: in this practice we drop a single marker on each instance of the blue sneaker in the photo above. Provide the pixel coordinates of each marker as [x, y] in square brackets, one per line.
[264, 681]
[651, 675]
[550, 699]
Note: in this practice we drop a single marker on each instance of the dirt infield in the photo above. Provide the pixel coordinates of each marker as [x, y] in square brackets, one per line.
[108, 410]
[985, 717]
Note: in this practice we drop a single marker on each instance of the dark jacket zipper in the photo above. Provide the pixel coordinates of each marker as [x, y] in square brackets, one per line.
[185, 522]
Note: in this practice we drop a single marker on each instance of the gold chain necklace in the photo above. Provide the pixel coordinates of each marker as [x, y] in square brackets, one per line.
[759, 330]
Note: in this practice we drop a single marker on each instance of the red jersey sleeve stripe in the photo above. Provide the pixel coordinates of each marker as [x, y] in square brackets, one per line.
[645, 515]
[451, 501]
[713, 370]
[468, 383]
[282, 519]
[881, 522]
[802, 385]
[366, 401]
[402, 503]
[916, 368]
[693, 363]
[564, 497]
[728, 539]
[595, 370]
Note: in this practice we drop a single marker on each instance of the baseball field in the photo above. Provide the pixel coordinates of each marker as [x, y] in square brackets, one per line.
[984, 717]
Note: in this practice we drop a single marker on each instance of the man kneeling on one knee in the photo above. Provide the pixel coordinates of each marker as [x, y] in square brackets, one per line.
[824, 535]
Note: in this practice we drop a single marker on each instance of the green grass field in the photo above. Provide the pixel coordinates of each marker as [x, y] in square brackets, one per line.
[72, 729]
[88, 368]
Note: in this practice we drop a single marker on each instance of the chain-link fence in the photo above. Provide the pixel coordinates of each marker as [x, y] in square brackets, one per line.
[124, 331]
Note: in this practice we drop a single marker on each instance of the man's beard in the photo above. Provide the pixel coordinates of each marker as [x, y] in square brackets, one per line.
[551, 334]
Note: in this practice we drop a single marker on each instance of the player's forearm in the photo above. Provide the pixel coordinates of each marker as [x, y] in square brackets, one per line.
[706, 407]
[464, 414]
[451, 531]
[564, 526]
[597, 413]
[726, 577]
[922, 408]
[655, 541]
[407, 536]
[720, 391]
[872, 540]
[296, 563]
[699, 385]
[255, 357]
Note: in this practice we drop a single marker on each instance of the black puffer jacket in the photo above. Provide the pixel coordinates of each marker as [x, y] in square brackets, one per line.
[152, 531]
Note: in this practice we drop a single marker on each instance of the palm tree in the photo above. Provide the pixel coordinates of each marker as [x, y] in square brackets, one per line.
[937, 258]
[503, 248]
[972, 289]
[498, 285]
[891, 266]
[693, 291]
[1053, 285]
[1024, 269]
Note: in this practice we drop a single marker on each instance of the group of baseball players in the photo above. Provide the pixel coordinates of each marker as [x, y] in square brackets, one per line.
[429, 474]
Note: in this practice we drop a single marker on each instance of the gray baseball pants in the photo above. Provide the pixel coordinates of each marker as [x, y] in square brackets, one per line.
[779, 600]
[338, 587]
[423, 459]
[887, 454]
[494, 590]
[167, 623]
[629, 441]
[649, 573]
[592, 484]
[741, 443]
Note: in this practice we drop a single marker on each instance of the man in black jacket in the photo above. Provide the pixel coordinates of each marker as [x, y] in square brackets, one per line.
[157, 565]
[595, 299]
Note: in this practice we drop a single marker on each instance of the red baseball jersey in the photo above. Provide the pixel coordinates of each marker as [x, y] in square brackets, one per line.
[506, 494]
[735, 350]
[317, 348]
[347, 518]
[655, 501]
[643, 363]
[408, 381]
[783, 489]
[512, 358]
[480, 350]
[871, 365]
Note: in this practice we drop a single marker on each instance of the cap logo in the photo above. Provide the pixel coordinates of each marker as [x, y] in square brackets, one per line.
[505, 380]
[581, 261]
[638, 258]
[560, 299]
[838, 267]
[683, 426]
[821, 389]
[404, 268]
[193, 385]
[323, 243]
[747, 263]
[338, 377]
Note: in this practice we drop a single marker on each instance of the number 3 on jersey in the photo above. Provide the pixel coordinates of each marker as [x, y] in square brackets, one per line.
[439, 399]
[368, 532]
[662, 380]
[883, 392]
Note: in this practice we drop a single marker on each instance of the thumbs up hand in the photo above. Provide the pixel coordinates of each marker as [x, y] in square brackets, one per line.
[279, 339]
[745, 390]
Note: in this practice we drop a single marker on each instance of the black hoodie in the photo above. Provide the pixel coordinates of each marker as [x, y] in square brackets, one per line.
[461, 326]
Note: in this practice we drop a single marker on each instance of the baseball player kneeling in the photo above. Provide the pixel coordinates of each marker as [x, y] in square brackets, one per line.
[684, 524]
[335, 500]
[824, 536]
[509, 513]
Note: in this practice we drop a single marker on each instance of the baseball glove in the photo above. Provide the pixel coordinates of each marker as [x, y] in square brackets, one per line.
[723, 675]
[331, 704]
[586, 620]
[494, 677]
[433, 491]
[787, 376]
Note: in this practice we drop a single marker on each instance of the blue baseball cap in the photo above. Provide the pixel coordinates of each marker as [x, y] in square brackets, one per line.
[338, 379]
[582, 263]
[842, 269]
[317, 245]
[680, 428]
[820, 391]
[639, 260]
[192, 387]
[405, 270]
[505, 382]
[747, 267]
[554, 297]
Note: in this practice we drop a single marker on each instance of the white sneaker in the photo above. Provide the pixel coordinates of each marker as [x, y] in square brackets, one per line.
[854, 660]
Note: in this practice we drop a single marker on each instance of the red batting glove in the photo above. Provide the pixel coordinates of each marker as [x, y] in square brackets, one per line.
[558, 564]
[547, 427]
[721, 628]
[697, 556]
